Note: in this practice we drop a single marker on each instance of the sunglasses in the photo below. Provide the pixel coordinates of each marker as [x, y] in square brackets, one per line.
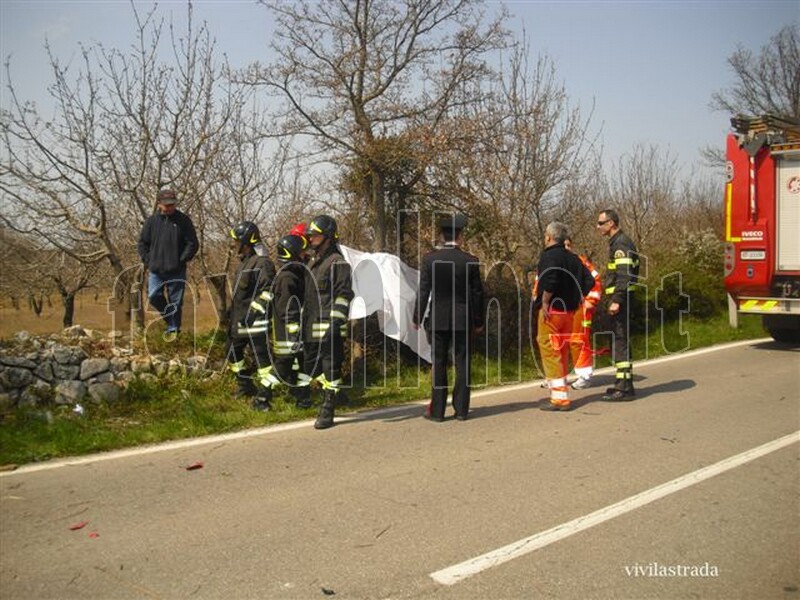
[601, 223]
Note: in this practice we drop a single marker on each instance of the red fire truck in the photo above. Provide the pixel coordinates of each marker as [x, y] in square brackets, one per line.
[762, 223]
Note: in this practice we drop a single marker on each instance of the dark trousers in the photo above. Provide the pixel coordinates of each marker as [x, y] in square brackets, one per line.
[258, 343]
[286, 368]
[283, 366]
[325, 358]
[441, 343]
[620, 330]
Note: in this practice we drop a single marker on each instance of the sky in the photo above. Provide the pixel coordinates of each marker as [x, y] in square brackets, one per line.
[648, 67]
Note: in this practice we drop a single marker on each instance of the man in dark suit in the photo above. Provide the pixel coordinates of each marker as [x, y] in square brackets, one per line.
[450, 307]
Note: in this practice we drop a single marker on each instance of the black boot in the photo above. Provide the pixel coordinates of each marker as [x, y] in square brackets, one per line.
[302, 396]
[325, 417]
[624, 392]
[262, 400]
[245, 388]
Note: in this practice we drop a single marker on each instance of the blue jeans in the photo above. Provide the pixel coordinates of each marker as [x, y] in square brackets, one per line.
[166, 296]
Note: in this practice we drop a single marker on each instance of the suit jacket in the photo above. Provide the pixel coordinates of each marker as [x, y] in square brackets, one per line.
[451, 280]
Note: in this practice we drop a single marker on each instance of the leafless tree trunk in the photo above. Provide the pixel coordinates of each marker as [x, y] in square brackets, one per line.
[354, 73]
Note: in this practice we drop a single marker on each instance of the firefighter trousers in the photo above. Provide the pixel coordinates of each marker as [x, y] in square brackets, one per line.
[621, 351]
[323, 361]
[246, 374]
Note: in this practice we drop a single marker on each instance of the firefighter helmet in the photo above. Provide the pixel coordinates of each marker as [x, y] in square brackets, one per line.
[246, 232]
[323, 225]
[291, 247]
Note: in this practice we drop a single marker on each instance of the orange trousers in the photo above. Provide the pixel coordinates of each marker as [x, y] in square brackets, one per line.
[580, 342]
[554, 337]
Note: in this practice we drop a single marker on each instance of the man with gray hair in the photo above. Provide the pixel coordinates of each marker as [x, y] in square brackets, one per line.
[562, 283]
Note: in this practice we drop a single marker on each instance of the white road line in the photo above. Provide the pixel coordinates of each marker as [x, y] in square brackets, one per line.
[473, 566]
[272, 429]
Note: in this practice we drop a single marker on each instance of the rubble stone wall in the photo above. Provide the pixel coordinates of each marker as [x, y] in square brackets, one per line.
[36, 371]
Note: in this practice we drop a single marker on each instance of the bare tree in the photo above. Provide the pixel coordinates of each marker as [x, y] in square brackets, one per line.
[643, 190]
[126, 123]
[19, 277]
[353, 73]
[768, 83]
[516, 159]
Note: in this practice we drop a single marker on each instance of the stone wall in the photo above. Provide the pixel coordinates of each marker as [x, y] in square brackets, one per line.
[76, 366]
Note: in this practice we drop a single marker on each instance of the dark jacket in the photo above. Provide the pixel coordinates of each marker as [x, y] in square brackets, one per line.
[287, 300]
[329, 290]
[254, 276]
[623, 267]
[563, 274]
[451, 279]
[167, 242]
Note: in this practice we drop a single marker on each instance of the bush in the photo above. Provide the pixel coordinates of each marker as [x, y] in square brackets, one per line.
[689, 277]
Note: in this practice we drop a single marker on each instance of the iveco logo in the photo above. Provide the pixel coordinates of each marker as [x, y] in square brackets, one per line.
[756, 234]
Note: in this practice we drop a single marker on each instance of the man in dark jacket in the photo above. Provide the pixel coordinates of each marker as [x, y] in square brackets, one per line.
[562, 282]
[621, 277]
[250, 315]
[328, 292]
[450, 306]
[167, 242]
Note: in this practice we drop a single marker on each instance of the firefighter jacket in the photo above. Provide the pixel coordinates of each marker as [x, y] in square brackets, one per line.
[250, 307]
[328, 292]
[287, 302]
[623, 267]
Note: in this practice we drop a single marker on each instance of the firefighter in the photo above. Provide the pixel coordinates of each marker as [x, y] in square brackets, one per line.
[286, 294]
[250, 313]
[621, 276]
[581, 340]
[328, 292]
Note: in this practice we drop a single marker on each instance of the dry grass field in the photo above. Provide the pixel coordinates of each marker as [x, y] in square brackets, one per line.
[92, 312]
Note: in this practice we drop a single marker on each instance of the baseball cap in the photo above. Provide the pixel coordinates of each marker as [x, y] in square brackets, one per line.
[166, 196]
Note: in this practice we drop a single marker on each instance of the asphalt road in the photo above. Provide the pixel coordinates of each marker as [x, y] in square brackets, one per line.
[380, 504]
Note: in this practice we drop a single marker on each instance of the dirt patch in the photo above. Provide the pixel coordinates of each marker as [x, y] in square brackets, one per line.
[92, 312]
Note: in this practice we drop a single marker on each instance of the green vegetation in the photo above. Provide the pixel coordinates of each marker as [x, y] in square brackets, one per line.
[183, 407]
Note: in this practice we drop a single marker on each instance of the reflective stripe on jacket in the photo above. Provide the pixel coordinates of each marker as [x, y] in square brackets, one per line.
[622, 268]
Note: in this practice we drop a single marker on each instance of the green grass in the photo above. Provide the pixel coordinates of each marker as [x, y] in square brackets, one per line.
[183, 407]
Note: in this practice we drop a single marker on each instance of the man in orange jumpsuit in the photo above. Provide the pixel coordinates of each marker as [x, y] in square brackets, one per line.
[581, 339]
[561, 285]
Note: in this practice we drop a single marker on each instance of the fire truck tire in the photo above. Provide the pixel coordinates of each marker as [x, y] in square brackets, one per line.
[784, 329]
